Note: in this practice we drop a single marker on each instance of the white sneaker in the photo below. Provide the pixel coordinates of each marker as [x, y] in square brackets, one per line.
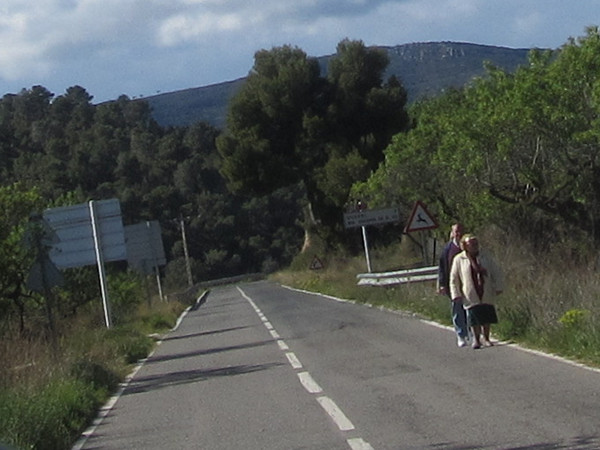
[461, 342]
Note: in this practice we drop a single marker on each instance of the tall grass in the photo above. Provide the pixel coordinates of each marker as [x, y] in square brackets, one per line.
[47, 417]
[50, 390]
[551, 301]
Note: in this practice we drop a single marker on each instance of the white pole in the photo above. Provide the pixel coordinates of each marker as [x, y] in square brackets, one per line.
[154, 261]
[366, 244]
[100, 262]
[160, 292]
[186, 254]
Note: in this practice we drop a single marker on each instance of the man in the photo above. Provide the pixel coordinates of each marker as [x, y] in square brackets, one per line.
[459, 317]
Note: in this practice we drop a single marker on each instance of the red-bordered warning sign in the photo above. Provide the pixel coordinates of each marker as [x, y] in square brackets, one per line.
[316, 264]
[420, 219]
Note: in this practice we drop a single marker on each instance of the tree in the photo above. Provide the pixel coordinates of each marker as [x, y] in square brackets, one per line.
[288, 125]
[16, 204]
[262, 147]
[364, 113]
[517, 149]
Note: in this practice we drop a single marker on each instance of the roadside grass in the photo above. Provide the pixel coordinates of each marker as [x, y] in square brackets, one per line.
[49, 392]
[551, 302]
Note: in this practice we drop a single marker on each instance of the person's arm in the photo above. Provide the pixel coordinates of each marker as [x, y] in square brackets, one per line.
[455, 281]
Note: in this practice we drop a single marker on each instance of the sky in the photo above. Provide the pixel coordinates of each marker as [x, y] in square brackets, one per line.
[140, 48]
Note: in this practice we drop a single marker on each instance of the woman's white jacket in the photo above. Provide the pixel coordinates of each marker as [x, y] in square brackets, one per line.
[461, 280]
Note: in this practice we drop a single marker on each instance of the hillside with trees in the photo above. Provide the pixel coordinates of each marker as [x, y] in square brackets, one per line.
[242, 207]
[65, 150]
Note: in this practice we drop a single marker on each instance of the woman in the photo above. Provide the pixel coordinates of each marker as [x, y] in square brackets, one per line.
[475, 279]
[459, 316]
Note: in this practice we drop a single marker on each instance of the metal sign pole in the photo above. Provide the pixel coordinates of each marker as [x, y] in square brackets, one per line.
[188, 268]
[366, 244]
[424, 248]
[154, 261]
[100, 262]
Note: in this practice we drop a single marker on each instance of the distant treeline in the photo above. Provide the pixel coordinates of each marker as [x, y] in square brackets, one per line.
[69, 151]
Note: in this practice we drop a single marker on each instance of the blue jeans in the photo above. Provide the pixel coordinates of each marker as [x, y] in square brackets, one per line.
[459, 319]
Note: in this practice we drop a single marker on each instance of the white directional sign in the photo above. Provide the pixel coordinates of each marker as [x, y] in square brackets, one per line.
[420, 219]
[145, 249]
[73, 227]
[90, 233]
[371, 217]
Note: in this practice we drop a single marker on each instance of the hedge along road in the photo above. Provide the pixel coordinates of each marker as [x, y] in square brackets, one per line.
[261, 366]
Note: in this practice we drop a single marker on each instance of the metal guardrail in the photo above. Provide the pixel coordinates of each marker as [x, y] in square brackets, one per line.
[398, 277]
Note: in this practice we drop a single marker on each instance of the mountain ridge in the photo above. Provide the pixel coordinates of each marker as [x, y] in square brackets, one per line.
[425, 69]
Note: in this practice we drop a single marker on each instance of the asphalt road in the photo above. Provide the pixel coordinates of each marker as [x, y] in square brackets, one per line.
[260, 366]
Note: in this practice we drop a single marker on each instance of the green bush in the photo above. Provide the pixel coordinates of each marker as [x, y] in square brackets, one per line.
[95, 374]
[515, 321]
[127, 293]
[131, 344]
[47, 417]
[158, 322]
[160, 317]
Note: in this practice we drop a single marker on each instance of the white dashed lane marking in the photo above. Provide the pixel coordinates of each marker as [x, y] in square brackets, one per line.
[294, 361]
[309, 384]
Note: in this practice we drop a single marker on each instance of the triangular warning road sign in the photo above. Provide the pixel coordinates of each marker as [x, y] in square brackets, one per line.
[316, 264]
[420, 219]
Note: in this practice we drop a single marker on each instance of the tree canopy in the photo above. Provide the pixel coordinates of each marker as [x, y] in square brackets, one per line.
[289, 125]
[519, 150]
[69, 151]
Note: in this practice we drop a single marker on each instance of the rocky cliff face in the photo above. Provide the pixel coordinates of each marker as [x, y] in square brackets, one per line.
[421, 52]
[427, 69]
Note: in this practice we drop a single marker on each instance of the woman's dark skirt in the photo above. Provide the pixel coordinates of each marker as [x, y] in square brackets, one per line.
[481, 314]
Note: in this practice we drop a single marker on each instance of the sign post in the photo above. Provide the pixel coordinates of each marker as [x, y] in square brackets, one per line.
[366, 246]
[370, 217]
[100, 264]
[89, 233]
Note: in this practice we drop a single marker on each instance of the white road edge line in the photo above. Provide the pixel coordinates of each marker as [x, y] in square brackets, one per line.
[108, 406]
[445, 327]
[275, 334]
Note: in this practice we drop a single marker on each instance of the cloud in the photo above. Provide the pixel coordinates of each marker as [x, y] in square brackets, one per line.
[138, 46]
[40, 36]
[202, 19]
[183, 28]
